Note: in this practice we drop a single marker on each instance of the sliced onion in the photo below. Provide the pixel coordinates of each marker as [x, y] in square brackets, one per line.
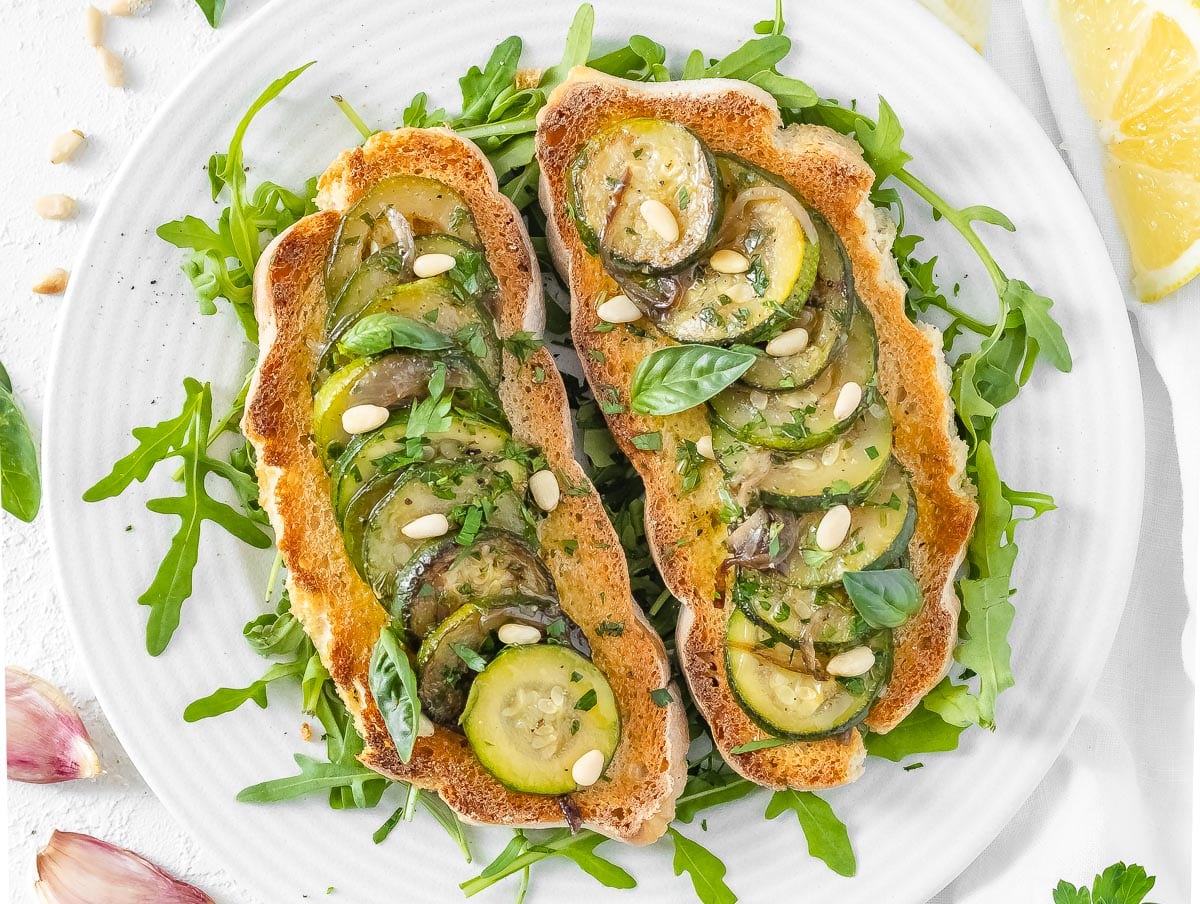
[405, 244]
[769, 193]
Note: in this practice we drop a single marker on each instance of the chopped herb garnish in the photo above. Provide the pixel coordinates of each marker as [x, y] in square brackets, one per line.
[649, 442]
[587, 701]
[610, 628]
[662, 696]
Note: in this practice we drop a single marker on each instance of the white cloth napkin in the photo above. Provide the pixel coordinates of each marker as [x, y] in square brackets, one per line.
[1122, 789]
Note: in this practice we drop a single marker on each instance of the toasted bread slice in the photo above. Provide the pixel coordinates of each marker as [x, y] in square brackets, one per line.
[340, 612]
[828, 172]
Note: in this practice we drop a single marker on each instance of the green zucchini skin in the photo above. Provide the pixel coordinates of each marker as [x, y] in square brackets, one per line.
[793, 615]
[428, 206]
[803, 419]
[641, 160]
[384, 269]
[502, 714]
[753, 668]
[443, 575]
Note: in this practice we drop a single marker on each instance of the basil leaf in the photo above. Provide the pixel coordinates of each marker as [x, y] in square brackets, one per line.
[680, 377]
[394, 687]
[377, 333]
[20, 481]
[886, 598]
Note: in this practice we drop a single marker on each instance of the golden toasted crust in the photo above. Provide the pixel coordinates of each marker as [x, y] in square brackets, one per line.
[827, 170]
[338, 609]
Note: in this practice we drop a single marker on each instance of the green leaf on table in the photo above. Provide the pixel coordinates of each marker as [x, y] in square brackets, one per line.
[826, 835]
[607, 873]
[227, 699]
[20, 478]
[881, 142]
[394, 687]
[790, 93]
[679, 377]
[922, 731]
[1118, 884]
[576, 49]
[751, 58]
[885, 598]
[708, 790]
[481, 87]
[703, 867]
[377, 333]
[1043, 329]
[212, 10]
[954, 703]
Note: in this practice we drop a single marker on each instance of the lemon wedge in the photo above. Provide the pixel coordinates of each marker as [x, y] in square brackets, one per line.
[1138, 67]
[968, 17]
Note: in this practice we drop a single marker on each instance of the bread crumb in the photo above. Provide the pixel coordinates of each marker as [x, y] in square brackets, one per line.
[305, 731]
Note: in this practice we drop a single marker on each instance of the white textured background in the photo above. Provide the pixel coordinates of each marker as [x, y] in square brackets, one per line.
[50, 82]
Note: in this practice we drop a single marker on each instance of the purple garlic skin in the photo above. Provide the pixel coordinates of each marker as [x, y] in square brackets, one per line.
[46, 738]
[80, 869]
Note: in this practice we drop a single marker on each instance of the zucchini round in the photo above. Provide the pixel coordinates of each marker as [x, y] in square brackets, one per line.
[432, 302]
[845, 472]
[446, 488]
[394, 380]
[801, 419]
[639, 161]
[386, 268]
[387, 449]
[427, 205]
[823, 616]
[534, 711]
[879, 532]
[443, 675]
[787, 699]
[443, 575]
[746, 307]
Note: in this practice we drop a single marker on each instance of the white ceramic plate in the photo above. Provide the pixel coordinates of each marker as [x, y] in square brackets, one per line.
[132, 333]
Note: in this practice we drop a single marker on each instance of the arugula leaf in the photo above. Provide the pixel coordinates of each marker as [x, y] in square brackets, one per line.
[790, 93]
[481, 87]
[679, 377]
[885, 598]
[827, 838]
[394, 687]
[1118, 884]
[314, 777]
[922, 731]
[751, 58]
[707, 790]
[603, 871]
[704, 868]
[880, 142]
[1035, 310]
[523, 852]
[20, 479]
[576, 49]
[954, 703]
[227, 699]
[377, 333]
[761, 744]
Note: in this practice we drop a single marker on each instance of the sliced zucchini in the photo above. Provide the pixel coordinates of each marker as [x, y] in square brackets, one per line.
[446, 488]
[534, 711]
[791, 700]
[427, 205]
[746, 307]
[433, 303]
[442, 243]
[388, 449]
[827, 318]
[845, 472]
[443, 575]
[795, 615]
[879, 532]
[642, 160]
[386, 268]
[394, 380]
[801, 419]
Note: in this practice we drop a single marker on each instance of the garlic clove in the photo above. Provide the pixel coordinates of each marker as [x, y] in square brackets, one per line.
[80, 869]
[46, 738]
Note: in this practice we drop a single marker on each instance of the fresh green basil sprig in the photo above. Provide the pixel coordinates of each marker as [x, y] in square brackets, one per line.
[20, 479]
[377, 333]
[394, 686]
[886, 598]
[680, 377]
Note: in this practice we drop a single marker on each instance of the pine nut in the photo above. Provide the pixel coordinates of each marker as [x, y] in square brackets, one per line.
[587, 768]
[126, 7]
[847, 401]
[93, 25]
[831, 452]
[53, 283]
[852, 663]
[545, 489]
[728, 261]
[619, 309]
[432, 265]
[789, 342]
[425, 727]
[704, 445]
[55, 207]
[516, 633]
[426, 527]
[64, 146]
[364, 418]
[804, 464]
[111, 67]
[834, 526]
[659, 218]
